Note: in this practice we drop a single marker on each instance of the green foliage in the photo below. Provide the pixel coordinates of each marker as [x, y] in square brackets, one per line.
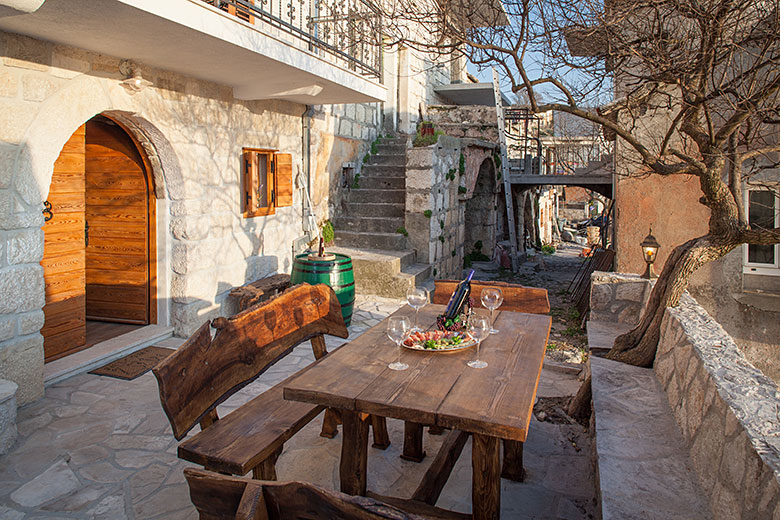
[366, 158]
[356, 181]
[462, 164]
[462, 189]
[441, 224]
[553, 346]
[402, 231]
[434, 271]
[375, 147]
[478, 245]
[441, 238]
[466, 262]
[454, 252]
[477, 256]
[574, 315]
[428, 213]
[426, 140]
[573, 331]
[497, 160]
[327, 231]
[451, 174]
[548, 249]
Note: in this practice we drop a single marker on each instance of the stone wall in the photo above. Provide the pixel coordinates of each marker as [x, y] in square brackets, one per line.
[193, 132]
[726, 408]
[618, 297]
[469, 121]
[434, 215]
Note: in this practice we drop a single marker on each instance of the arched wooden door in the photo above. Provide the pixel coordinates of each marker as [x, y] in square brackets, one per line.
[99, 262]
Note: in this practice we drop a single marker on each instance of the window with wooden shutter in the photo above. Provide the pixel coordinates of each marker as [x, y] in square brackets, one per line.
[258, 186]
[267, 182]
[238, 10]
[284, 179]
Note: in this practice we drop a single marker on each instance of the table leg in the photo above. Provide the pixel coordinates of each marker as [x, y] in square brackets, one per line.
[330, 423]
[486, 477]
[513, 461]
[413, 442]
[381, 437]
[354, 454]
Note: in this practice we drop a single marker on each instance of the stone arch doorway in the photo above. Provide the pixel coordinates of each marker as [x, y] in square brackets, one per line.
[481, 211]
[100, 245]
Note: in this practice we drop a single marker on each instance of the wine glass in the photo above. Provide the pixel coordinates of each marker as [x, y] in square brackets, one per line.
[479, 329]
[398, 329]
[417, 297]
[492, 298]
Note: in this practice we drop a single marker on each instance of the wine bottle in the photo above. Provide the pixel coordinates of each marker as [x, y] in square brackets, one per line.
[321, 249]
[459, 298]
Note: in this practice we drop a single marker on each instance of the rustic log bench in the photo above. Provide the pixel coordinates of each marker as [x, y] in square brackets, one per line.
[259, 290]
[224, 497]
[205, 371]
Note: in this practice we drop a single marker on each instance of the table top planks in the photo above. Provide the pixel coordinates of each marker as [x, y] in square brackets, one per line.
[438, 388]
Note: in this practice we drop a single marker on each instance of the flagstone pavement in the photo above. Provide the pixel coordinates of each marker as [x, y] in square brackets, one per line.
[101, 448]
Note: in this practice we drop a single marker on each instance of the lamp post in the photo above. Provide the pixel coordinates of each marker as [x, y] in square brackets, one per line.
[650, 248]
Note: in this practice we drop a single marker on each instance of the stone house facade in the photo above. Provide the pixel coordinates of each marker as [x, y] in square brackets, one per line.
[192, 135]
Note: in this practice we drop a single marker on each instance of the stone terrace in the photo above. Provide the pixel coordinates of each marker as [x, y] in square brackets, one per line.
[97, 447]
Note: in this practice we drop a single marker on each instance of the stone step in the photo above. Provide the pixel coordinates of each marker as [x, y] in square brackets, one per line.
[383, 241]
[393, 140]
[391, 148]
[376, 209]
[387, 196]
[368, 224]
[602, 334]
[376, 263]
[382, 183]
[385, 273]
[382, 170]
[387, 159]
[104, 352]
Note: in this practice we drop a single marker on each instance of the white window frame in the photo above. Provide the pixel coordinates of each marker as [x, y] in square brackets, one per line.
[760, 268]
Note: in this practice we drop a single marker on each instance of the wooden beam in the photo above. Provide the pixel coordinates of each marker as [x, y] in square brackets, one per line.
[419, 508]
[512, 468]
[439, 471]
[354, 454]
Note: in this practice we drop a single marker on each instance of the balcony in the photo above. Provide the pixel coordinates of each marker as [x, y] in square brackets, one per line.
[306, 51]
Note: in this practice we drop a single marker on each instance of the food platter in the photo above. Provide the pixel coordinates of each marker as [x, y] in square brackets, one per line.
[439, 341]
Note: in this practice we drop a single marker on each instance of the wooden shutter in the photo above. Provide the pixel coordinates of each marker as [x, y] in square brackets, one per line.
[284, 180]
[250, 183]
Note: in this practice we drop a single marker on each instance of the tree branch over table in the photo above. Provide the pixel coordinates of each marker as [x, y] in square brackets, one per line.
[696, 84]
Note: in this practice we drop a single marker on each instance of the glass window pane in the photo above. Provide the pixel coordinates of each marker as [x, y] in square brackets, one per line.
[761, 254]
[762, 209]
[761, 213]
[262, 181]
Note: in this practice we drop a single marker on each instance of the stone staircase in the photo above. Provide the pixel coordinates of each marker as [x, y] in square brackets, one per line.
[368, 231]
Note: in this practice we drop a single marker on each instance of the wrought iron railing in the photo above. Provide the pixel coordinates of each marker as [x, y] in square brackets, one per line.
[348, 30]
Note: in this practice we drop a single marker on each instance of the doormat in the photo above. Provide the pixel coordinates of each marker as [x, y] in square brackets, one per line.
[135, 364]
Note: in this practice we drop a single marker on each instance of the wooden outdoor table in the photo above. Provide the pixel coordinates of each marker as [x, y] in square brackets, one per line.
[438, 389]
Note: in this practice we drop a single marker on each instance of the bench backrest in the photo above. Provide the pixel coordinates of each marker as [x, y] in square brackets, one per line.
[206, 370]
[517, 298]
[223, 496]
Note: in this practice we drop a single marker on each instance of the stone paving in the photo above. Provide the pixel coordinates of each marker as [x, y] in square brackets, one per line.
[101, 448]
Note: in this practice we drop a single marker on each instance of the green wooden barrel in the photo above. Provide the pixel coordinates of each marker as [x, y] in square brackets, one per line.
[338, 274]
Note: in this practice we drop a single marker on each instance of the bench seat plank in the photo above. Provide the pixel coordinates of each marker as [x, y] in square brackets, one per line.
[247, 436]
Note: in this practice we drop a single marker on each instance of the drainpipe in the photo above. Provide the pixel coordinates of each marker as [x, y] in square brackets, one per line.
[305, 183]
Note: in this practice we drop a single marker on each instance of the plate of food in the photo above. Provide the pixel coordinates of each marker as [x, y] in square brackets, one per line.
[438, 341]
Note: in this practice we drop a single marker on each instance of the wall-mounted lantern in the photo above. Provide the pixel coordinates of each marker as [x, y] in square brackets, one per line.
[133, 81]
[650, 248]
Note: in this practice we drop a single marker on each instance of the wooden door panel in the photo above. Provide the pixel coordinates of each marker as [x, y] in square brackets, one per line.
[117, 202]
[64, 265]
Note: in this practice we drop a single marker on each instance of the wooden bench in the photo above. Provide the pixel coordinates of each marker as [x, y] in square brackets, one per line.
[259, 290]
[517, 298]
[224, 497]
[206, 371]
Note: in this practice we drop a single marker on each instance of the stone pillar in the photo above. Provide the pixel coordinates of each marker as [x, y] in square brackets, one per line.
[8, 431]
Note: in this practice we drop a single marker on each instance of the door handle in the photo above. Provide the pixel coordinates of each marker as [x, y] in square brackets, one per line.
[86, 233]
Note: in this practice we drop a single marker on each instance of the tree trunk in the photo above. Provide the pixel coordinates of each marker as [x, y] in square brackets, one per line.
[638, 346]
